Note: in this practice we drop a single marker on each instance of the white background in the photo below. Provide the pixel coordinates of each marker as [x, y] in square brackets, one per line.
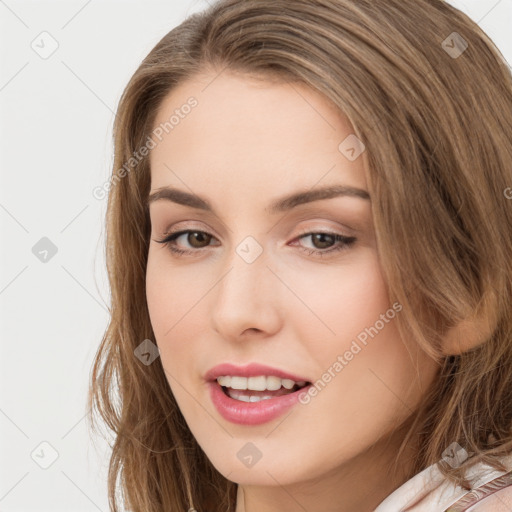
[56, 116]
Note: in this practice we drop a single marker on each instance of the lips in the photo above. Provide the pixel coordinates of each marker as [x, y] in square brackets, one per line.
[267, 408]
[252, 413]
[250, 370]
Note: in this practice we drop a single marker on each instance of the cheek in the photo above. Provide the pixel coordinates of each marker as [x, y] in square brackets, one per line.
[336, 303]
[179, 299]
[350, 332]
[173, 296]
[171, 292]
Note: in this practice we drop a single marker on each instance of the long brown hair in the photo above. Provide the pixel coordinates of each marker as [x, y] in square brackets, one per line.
[430, 96]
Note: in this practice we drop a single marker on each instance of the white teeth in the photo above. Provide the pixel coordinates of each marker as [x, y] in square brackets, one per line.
[260, 383]
[238, 395]
[224, 381]
[288, 384]
[238, 383]
[257, 383]
[259, 398]
[273, 383]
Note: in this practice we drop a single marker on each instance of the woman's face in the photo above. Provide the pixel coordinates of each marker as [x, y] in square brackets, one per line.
[261, 284]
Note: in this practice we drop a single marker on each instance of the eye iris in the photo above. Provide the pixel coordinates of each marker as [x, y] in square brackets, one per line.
[321, 237]
[199, 235]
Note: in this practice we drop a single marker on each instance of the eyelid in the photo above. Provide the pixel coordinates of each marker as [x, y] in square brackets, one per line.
[176, 228]
[327, 230]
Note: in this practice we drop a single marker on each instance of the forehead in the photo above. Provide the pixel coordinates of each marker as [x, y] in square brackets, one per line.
[243, 131]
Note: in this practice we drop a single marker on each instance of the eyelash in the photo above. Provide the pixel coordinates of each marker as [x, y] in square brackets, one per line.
[345, 242]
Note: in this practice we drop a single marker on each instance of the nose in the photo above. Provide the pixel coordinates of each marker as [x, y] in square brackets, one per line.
[246, 299]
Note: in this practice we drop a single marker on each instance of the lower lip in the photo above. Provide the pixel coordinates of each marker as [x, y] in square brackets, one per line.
[252, 413]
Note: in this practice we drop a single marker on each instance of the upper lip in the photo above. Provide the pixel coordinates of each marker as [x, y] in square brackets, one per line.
[250, 370]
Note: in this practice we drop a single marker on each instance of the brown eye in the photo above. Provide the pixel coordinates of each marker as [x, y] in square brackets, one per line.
[325, 243]
[322, 240]
[198, 239]
[195, 240]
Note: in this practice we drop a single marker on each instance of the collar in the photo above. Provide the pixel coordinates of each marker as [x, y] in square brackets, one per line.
[430, 491]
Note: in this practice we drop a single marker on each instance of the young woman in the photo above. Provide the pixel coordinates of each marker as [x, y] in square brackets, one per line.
[310, 255]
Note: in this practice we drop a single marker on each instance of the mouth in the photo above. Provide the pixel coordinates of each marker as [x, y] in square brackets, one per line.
[254, 393]
[252, 406]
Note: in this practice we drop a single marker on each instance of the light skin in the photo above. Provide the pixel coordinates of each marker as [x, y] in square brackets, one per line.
[246, 145]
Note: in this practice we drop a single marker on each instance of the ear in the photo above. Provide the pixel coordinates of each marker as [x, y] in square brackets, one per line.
[473, 331]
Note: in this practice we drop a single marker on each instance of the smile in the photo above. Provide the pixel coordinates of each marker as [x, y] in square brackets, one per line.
[254, 407]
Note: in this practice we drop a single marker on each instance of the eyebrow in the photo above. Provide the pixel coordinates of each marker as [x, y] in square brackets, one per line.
[281, 205]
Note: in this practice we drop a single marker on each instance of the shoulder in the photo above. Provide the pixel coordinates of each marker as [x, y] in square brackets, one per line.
[500, 501]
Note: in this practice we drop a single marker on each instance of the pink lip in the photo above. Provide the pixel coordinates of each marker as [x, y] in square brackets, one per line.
[250, 370]
[252, 413]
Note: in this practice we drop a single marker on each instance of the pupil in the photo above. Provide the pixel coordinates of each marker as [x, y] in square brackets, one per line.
[199, 235]
[321, 237]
